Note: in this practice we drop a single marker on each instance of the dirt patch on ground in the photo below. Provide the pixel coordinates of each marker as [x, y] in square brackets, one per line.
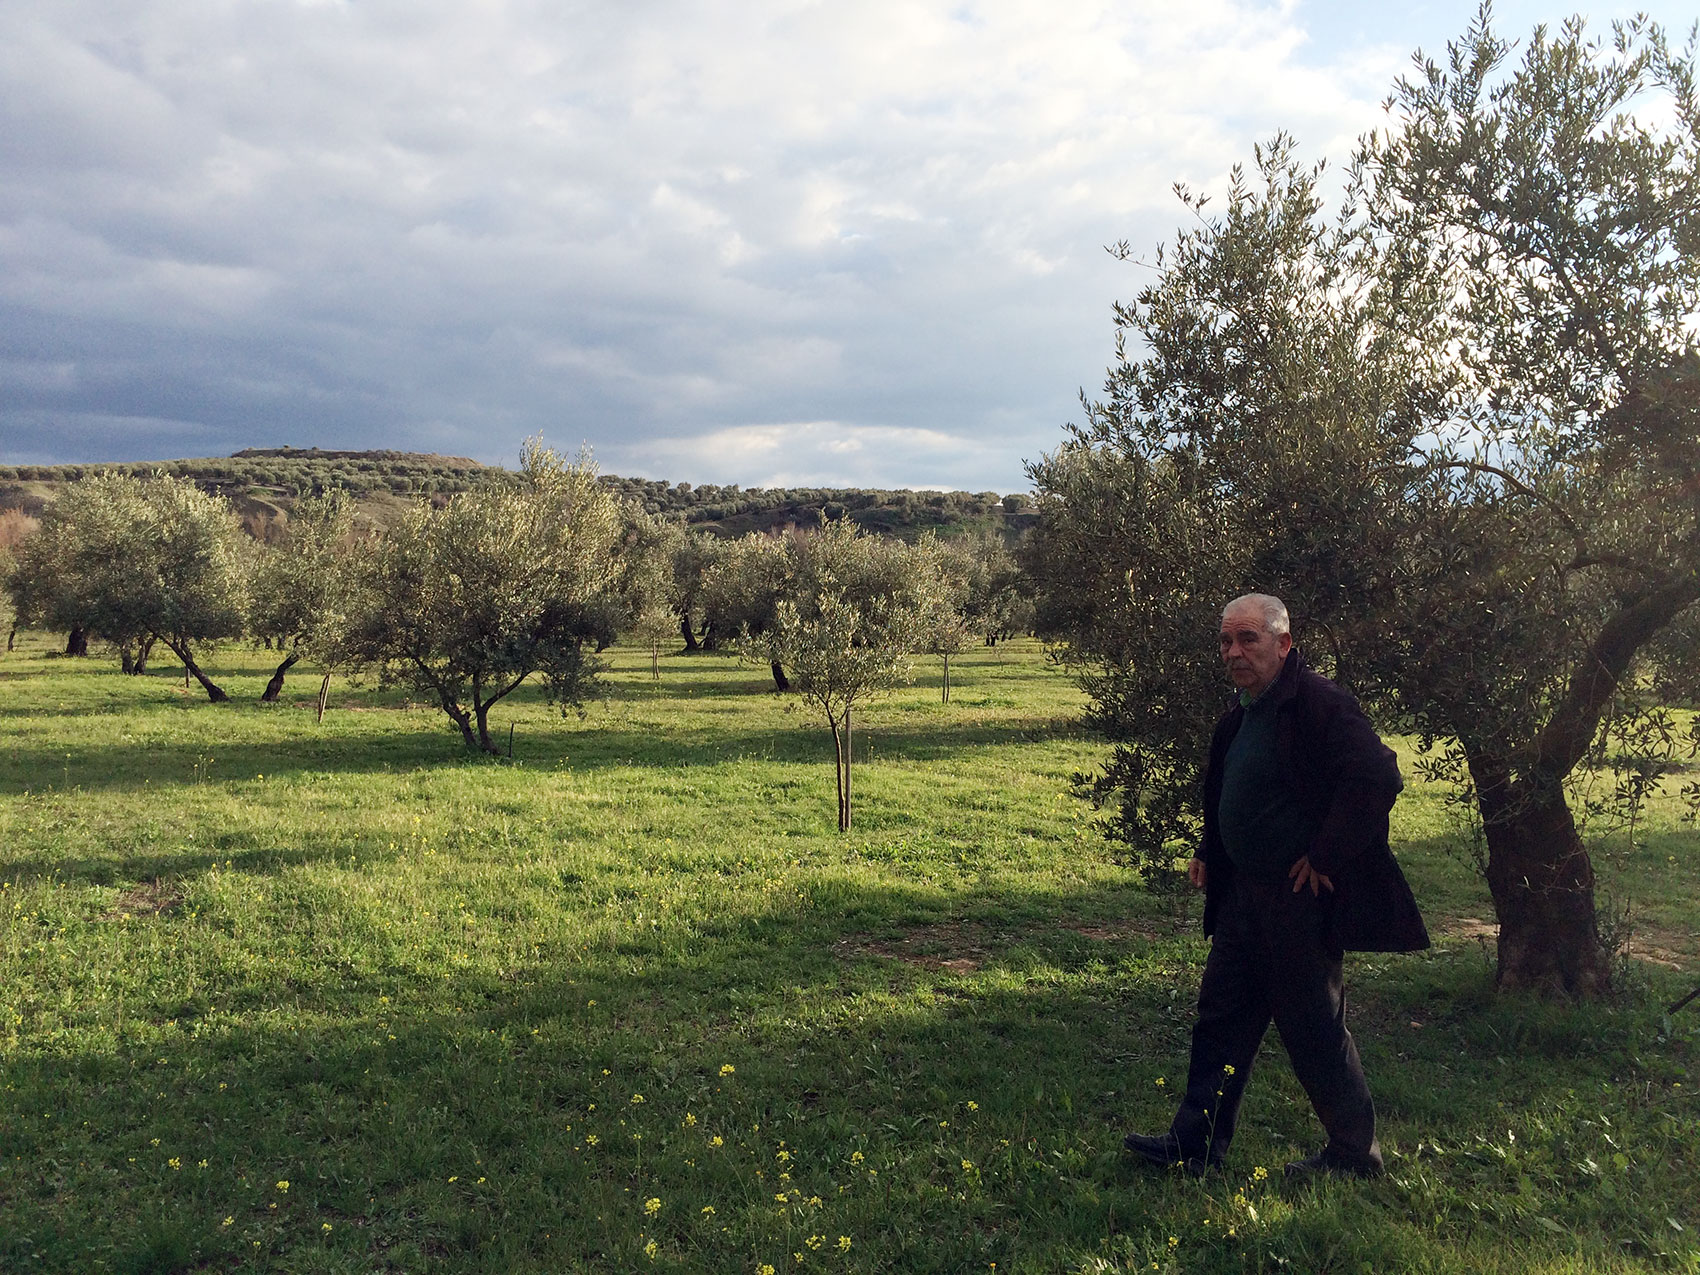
[146, 898]
[1146, 928]
[1650, 948]
[949, 946]
[1469, 927]
[1655, 946]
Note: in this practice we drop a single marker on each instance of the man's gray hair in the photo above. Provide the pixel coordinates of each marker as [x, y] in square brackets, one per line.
[1275, 618]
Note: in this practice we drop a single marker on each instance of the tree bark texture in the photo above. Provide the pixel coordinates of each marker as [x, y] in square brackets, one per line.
[1538, 871]
[274, 688]
[780, 681]
[77, 642]
[324, 696]
[838, 770]
[944, 689]
[1542, 883]
[691, 643]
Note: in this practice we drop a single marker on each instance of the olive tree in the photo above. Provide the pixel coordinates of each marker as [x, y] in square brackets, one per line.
[301, 588]
[138, 560]
[1565, 235]
[651, 605]
[1454, 424]
[995, 604]
[855, 608]
[948, 627]
[465, 602]
[743, 588]
[694, 557]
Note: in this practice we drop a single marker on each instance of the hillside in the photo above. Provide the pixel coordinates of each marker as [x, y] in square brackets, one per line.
[263, 485]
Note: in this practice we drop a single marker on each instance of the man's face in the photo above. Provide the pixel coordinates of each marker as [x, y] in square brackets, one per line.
[1252, 653]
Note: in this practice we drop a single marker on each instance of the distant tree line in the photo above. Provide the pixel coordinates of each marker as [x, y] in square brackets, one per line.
[286, 472]
[265, 483]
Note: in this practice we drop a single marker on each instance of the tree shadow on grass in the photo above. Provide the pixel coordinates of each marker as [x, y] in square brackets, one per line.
[385, 1114]
[97, 764]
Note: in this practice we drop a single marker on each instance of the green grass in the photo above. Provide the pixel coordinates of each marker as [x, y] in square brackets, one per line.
[631, 989]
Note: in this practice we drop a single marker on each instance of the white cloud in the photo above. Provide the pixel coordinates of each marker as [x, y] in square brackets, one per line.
[808, 454]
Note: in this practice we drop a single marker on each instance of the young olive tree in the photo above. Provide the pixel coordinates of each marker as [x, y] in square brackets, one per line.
[138, 560]
[856, 608]
[649, 589]
[464, 603]
[301, 589]
[1456, 426]
[948, 628]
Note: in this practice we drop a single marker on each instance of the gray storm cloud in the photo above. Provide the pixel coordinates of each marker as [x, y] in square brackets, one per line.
[728, 242]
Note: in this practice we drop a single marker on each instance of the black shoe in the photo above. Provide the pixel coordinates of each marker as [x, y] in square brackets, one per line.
[1325, 1162]
[1164, 1151]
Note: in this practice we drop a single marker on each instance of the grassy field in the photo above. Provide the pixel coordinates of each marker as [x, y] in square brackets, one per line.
[286, 996]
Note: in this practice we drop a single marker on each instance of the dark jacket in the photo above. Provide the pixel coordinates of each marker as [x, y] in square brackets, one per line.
[1347, 779]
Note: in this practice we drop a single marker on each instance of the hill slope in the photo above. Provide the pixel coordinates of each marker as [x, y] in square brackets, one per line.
[263, 485]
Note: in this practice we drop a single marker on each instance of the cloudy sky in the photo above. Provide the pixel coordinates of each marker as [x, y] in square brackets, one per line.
[771, 242]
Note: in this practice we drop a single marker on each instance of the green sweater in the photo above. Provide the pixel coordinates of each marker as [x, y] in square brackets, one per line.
[1264, 829]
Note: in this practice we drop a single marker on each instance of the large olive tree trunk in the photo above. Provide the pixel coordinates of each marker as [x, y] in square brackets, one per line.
[1542, 883]
[77, 641]
[135, 663]
[685, 631]
[181, 650]
[274, 688]
[1538, 871]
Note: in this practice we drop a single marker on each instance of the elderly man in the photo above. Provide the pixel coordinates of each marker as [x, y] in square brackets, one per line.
[1296, 869]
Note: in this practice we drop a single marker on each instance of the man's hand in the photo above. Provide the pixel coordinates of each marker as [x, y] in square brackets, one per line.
[1197, 874]
[1303, 874]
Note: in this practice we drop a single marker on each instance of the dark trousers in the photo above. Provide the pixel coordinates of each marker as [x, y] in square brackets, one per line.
[1269, 959]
